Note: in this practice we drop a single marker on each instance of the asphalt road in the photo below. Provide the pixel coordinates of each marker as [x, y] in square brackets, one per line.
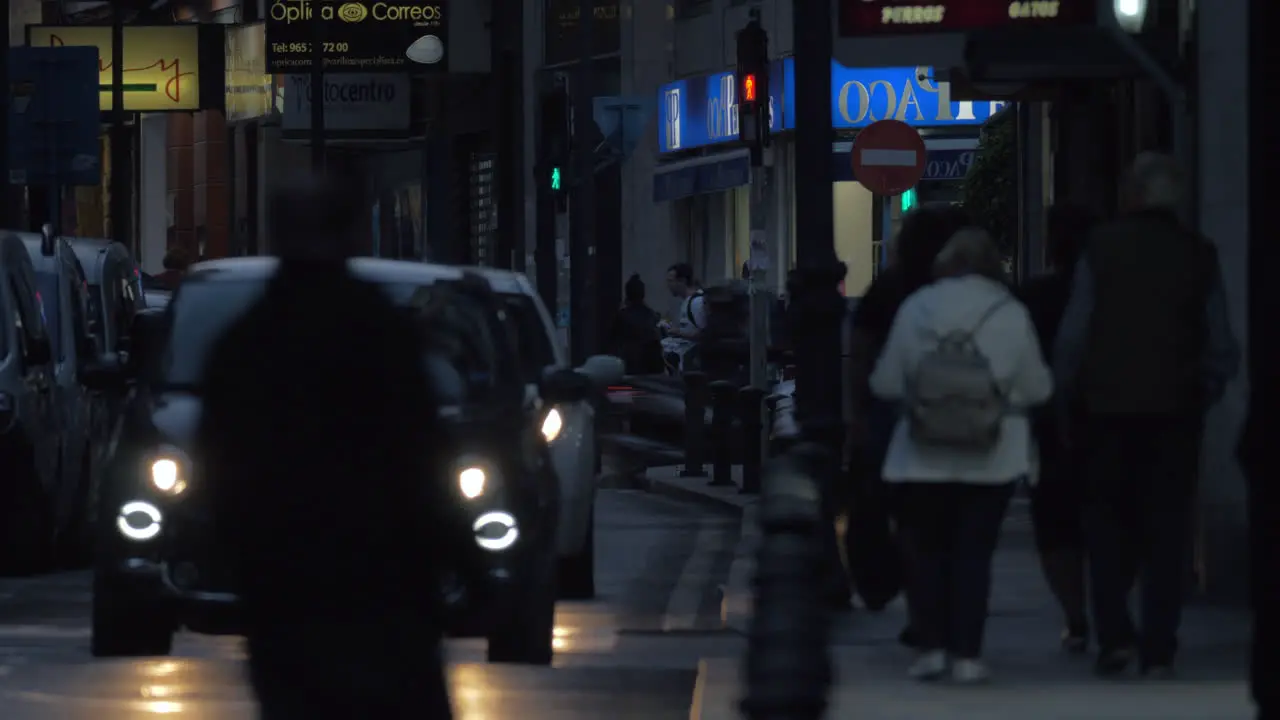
[631, 653]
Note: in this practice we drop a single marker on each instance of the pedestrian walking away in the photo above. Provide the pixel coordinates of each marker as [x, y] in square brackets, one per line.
[1057, 501]
[341, 589]
[1143, 350]
[963, 361]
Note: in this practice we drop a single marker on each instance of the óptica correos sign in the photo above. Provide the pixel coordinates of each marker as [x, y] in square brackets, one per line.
[357, 36]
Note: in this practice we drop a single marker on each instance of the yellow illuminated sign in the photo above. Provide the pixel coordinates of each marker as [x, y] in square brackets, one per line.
[161, 64]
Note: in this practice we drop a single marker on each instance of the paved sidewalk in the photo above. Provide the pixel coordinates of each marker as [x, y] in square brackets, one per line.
[1032, 680]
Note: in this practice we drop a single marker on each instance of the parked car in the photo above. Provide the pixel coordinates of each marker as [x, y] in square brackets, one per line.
[115, 290]
[115, 296]
[66, 533]
[30, 477]
[157, 568]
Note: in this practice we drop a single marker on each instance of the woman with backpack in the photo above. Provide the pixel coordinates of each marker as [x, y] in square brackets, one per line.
[963, 363]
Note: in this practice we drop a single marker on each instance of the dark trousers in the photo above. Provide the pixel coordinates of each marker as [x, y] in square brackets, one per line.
[1140, 473]
[951, 531]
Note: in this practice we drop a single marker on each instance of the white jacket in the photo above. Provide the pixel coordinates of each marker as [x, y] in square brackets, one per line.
[1007, 339]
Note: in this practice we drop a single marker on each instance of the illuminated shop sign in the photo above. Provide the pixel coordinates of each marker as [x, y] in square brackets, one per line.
[702, 111]
[357, 36]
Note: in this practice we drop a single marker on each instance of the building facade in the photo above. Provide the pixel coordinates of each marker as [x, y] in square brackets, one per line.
[683, 184]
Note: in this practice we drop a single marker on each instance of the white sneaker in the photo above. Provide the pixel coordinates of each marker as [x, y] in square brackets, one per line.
[970, 671]
[929, 665]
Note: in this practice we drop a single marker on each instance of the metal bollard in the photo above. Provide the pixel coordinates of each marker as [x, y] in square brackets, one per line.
[787, 673]
[723, 395]
[751, 417]
[695, 425]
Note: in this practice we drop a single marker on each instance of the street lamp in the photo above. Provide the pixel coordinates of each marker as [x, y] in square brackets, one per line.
[1131, 15]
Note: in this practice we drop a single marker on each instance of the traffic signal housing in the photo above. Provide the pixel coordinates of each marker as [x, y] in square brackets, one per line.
[753, 84]
[554, 145]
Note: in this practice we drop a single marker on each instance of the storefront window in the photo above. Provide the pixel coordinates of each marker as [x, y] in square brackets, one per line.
[855, 234]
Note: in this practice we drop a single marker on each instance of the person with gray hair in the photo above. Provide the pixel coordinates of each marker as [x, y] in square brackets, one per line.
[1143, 350]
[963, 363]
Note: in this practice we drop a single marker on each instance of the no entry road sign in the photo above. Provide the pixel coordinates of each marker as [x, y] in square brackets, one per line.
[888, 157]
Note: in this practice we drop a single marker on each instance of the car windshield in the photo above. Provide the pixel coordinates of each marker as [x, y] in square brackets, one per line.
[465, 360]
[50, 304]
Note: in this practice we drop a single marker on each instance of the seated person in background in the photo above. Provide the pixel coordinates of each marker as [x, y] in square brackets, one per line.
[635, 336]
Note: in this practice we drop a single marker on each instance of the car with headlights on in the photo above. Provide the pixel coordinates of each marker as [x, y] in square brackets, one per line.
[158, 568]
[570, 427]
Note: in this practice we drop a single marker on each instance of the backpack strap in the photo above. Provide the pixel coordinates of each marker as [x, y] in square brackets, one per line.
[991, 311]
[688, 309]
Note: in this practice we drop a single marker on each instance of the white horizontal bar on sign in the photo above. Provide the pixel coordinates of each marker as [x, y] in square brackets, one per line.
[891, 158]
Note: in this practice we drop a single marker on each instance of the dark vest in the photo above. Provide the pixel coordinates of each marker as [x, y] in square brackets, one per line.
[1147, 333]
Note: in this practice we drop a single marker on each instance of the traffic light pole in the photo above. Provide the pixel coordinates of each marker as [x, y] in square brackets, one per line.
[753, 82]
[582, 203]
[121, 158]
[8, 214]
[758, 264]
[817, 307]
[317, 94]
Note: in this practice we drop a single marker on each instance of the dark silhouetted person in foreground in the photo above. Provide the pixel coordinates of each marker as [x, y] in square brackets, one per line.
[1057, 506]
[1145, 347]
[635, 336]
[317, 439]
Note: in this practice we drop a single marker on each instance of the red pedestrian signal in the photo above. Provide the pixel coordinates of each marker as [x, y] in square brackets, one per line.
[749, 88]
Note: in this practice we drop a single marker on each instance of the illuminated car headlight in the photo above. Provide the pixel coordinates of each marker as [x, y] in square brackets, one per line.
[472, 481]
[139, 521]
[167, 471]
[496, 531]
[552, 424]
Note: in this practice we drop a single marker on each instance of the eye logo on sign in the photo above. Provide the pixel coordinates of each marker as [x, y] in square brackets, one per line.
[672, 98]
[353, 12]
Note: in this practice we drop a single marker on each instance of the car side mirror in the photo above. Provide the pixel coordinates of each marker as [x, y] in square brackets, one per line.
[565, 386]
[106, 372]
[603, 370]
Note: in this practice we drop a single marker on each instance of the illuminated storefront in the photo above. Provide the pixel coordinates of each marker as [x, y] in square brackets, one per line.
[699, 115]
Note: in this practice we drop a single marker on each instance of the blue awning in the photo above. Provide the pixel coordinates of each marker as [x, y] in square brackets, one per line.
[697, 176]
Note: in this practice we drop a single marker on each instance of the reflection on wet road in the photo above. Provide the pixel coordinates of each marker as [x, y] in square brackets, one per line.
[631, 653]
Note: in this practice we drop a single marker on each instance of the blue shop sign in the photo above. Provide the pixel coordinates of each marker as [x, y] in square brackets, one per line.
[861, 96]
[700, 111]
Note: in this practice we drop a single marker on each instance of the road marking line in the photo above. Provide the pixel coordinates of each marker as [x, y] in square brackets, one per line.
[686, 597]
[695, 707]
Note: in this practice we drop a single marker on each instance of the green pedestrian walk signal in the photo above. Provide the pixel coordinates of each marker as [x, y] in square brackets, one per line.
[908, 200]
[556, 182]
